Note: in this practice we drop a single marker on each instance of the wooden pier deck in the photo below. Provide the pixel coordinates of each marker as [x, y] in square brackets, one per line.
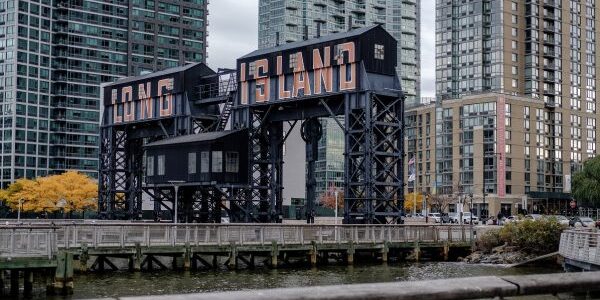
[65, 248]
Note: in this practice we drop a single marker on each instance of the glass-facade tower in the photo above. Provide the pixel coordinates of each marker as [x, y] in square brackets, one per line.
[55, 54]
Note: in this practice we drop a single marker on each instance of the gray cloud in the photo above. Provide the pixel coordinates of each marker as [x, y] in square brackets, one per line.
[233, 32]
[428, 48]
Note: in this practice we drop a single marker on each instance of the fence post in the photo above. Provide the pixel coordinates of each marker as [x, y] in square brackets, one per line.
[49, 246]
[147, 235]
[95, 232]
[66, 237]
[219, 235]
[122, 237]
[320, 233]
[187, 235]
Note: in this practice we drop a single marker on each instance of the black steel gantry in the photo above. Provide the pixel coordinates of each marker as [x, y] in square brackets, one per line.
[349, 77]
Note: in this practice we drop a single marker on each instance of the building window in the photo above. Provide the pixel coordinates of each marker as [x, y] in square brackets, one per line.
[513, 6]
[192, 163]
[509, 189]
[161, 165]
[204, 161]
[379, 52]
[150, 166]
[252, 67]
[217, 161]
[232, 162]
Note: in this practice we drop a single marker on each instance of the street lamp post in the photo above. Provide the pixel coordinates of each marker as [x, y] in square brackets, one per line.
[19, 210]
[471, 208]
[176, 184]
[336, 207]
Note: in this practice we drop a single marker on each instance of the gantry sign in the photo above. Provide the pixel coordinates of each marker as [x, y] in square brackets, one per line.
[350, 77]
[163, 134]
[138, 111]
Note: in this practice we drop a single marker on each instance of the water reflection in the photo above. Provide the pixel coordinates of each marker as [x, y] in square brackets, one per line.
[156, 283]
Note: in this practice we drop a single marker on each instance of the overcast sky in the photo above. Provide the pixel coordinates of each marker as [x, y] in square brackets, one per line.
[233, 32]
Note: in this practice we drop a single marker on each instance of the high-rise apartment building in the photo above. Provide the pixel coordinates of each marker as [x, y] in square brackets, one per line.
[55, 54]
[516, 110]
[284, 21]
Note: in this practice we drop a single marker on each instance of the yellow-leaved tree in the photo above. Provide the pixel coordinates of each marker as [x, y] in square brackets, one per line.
[409, 202]
[67, 192]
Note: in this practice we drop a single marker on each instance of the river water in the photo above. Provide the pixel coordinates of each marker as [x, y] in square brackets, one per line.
[169, 282]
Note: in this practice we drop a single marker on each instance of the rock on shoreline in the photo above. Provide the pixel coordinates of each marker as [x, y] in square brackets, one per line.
[499, 255]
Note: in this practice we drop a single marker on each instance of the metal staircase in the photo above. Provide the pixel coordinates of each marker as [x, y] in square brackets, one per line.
[225, 92]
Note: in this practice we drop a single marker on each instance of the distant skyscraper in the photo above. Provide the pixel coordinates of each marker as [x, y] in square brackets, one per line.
[285, 21]
[55, 54]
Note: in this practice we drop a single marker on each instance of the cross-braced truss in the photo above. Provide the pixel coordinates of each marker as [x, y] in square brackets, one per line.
[121, 172]
[263, 202]
[374, 157]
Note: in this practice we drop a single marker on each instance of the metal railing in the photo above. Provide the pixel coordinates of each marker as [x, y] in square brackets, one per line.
[593, 213]
[582, 246]
[126, 235]
[17, 241]
[34, 240]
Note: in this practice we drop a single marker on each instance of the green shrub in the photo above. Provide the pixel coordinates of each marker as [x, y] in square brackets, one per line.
[489, 240]
[535, 237]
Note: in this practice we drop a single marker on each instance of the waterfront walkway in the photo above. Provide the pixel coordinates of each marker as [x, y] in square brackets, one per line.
[581, 249]
[149, 246]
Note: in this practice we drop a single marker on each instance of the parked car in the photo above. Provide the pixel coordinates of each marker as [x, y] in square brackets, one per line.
[534, 216]
[467, 218]
[437, 217]
[453, 217]
[562, 220]
[582, 222]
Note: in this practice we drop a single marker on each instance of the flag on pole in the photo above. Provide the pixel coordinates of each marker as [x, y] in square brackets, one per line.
[411, 170]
